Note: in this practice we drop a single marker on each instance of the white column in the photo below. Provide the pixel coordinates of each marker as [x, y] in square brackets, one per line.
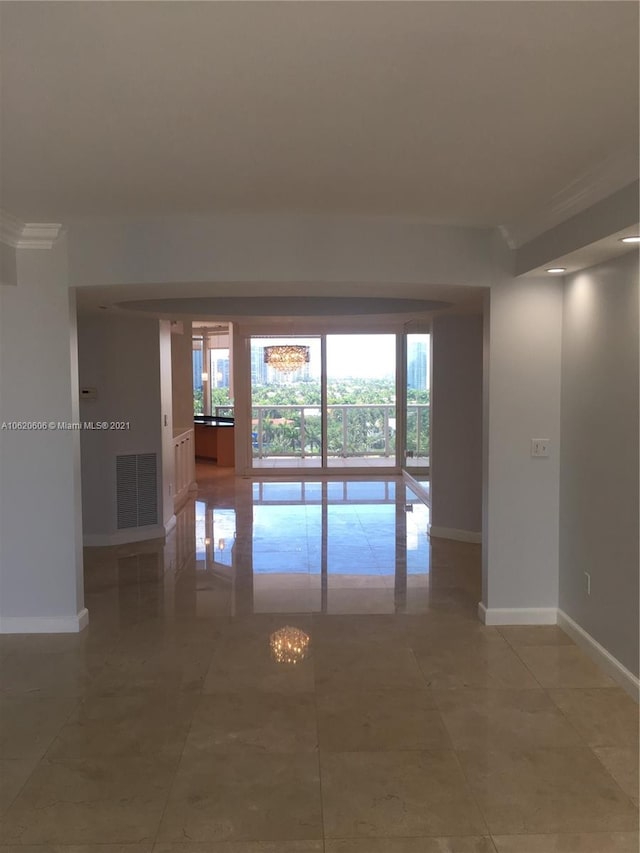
[41, 588]
[523, 336]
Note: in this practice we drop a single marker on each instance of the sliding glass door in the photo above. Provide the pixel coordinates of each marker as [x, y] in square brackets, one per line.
[326, 401]
[361, 401]
[418, 407]
[286, 402]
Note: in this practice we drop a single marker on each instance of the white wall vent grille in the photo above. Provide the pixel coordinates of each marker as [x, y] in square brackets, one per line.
[136, 490]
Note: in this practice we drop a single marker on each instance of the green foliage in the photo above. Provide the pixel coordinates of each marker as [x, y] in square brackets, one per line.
[368, 431]
[220, 397]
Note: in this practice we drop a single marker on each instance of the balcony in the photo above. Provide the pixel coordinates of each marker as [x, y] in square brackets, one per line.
[357, 435]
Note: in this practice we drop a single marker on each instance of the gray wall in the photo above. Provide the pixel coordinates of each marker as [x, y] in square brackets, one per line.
[456, 423]
[182, 377]
[119, 355]
[599, 457]
[522, 494]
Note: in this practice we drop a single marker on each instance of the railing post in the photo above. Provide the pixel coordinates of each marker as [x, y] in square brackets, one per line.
[344, 432]
[386, 431]
[260, 432]
[302, 433]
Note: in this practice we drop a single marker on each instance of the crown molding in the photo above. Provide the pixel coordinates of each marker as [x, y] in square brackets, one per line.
[28, 235]
[586, 189]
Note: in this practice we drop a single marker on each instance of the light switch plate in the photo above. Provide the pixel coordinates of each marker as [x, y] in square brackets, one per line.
[540, 447]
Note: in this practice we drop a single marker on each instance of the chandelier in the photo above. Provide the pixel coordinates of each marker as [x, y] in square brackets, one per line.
[286, 357]
[289, 645]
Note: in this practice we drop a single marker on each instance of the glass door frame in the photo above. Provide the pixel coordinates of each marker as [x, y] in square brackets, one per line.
[414, 473]
[242, 335]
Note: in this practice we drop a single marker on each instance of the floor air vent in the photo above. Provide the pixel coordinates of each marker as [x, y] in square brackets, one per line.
[136, 490]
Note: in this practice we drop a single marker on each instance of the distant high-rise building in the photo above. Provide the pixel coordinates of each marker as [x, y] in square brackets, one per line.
[417, 367]
[220, 371]
[258, 367]
[197, 369]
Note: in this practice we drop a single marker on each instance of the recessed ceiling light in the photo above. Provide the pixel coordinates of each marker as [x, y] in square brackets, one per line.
[635, 238]
[557, 270]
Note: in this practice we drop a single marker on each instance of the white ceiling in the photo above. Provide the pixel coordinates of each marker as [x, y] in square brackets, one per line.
[474, 113]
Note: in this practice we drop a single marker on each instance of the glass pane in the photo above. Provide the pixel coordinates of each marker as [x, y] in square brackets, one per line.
[286, 418]
[361, 400]
[197, 348]
[418, 441]
[219, 373]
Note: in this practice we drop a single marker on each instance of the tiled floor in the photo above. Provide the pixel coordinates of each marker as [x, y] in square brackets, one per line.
[404, 726]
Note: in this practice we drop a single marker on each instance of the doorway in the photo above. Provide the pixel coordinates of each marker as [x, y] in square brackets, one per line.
[325, 401]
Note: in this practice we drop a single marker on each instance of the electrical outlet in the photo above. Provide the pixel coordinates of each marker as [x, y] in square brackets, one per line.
[540, 447]
[587, 578]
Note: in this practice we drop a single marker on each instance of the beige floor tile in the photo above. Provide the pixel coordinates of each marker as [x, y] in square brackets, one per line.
[240, 847]
[606, 842]
[489, 665]
[396, 794]
[150, 670]
[345, 631]
[504, 719]
[471, 844]
[373, 720]
[14, 773]
[379, 599]
[89, 801]
[250, 666]
[547, 790]
[64, 674]
[535, 635]
[250, 721]
[28, 724]
[367, 668]
[244, 797]
[604, 717]
[76, 848]
[84, 642]
[622, 763]
[449, 629]
[128, 725]
[563, 666]
[161, 631]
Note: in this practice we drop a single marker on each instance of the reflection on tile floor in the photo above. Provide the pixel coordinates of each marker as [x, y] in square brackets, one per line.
[394, 722]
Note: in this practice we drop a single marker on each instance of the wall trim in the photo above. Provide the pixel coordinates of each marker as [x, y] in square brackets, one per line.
[453, 533]
[123, 537]
[45, 624]
[613, 667]
[586, 189]
[28, 235]
[170, 524]
[517, 615]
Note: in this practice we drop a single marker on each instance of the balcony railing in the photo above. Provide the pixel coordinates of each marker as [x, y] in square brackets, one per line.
[355, 430]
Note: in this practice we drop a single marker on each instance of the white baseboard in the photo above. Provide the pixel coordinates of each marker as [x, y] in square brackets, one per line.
[44, 624]
[453, 533]
[612, 666]
[123, 537]
[517, 615]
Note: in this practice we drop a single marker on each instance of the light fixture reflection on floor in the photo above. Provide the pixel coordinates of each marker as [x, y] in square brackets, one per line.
[289, 645]
[286, 357]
